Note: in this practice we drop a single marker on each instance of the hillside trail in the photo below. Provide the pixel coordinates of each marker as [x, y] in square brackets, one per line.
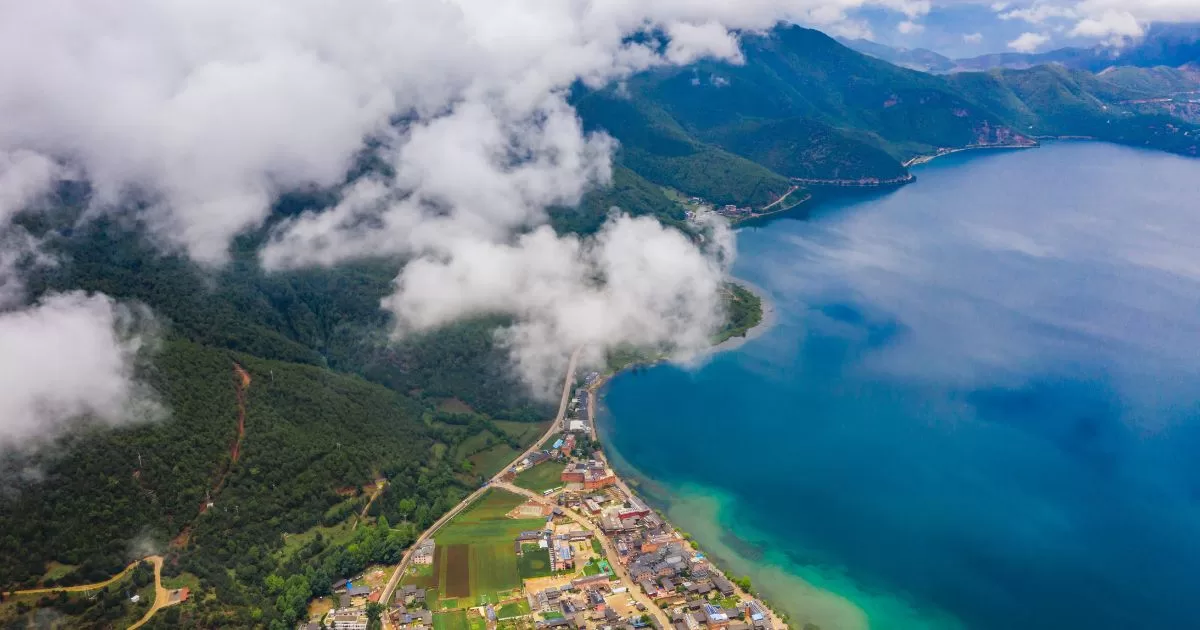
[242, 378]
[243, 385]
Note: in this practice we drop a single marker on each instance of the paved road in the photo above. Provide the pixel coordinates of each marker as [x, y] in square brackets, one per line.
[613, 559]
[394, 581]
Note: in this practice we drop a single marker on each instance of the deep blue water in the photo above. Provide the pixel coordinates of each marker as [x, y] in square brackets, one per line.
[981, 396]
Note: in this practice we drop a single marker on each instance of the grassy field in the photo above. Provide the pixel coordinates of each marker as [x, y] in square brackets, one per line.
[339, 534]
[476, 622]
[182, 580]
[542, 477]
[597, 547]
[492, 460]
[456, 620]
[525, 432]
[534, 563]
[475, 562]
[550, 441]
[513, 609]
[56, 571]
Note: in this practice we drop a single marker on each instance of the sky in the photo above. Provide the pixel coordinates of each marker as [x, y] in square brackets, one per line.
[966, 28]
[192, 116]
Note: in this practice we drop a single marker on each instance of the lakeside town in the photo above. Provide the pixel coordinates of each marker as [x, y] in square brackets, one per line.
[556, 540]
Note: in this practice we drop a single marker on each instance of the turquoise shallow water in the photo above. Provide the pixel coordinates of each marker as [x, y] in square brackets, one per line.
[977, 409]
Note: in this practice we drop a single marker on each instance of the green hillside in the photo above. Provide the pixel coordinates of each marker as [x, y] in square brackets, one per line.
[1056, 101]
[804, 106]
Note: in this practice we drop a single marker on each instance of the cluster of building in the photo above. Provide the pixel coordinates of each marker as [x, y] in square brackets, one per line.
[702, 613]
[408, 609]
[665, 567]
[591, 474]
[735, 212]
[562, 556]
[576, 420]
[588, 602]
[351, 613]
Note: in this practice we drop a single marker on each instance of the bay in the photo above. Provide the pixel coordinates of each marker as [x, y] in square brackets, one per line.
[977, 406]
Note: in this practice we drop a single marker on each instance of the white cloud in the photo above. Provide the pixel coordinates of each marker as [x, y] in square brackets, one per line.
[1103, 18]
[202, 111]
[635, 282]
[24, 178]
[908, 27]
[972, 38]
[1028, 42]
[1039, 12]
[69, 359]
[1108, 24]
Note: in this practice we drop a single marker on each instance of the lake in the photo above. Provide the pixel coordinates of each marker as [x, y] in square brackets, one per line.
[978, 406]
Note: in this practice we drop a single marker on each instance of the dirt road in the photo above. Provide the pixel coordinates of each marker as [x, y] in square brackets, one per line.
[79, 588]
[162, 597]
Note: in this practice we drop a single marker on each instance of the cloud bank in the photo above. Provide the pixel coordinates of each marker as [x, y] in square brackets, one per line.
[196, 114]
[1028, 42]
[71, 358]
[1102, 19]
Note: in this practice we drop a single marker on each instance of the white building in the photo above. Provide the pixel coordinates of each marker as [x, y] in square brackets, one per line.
[347, 619]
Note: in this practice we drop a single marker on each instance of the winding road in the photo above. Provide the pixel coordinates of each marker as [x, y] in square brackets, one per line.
[162, 596]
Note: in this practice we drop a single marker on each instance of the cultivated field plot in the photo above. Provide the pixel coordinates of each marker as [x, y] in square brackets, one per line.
[542, 477]
[456, 620]
[475, 562]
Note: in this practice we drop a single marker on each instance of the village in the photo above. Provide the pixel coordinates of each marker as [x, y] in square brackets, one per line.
[557, 540]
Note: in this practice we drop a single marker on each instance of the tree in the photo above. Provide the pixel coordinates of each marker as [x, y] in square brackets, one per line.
[743, 582]
[374, 616]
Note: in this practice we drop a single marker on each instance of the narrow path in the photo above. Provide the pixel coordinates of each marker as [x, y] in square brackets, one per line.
[555, 426]
[380, 484]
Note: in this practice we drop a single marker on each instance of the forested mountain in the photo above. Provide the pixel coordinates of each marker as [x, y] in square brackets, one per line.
[332, 404]
[804, 106]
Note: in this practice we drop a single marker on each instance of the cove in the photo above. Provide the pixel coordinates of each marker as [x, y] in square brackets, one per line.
[977, 408]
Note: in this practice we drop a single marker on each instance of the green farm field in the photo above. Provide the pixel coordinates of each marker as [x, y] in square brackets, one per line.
[475, 562]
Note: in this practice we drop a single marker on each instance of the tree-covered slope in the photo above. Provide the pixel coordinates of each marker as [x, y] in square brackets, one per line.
[795, 72]
[802, 105]
[657, 148]
[1057, 101]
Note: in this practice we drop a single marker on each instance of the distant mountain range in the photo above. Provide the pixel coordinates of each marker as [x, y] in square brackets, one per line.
[1169, 45]
[805, 110]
